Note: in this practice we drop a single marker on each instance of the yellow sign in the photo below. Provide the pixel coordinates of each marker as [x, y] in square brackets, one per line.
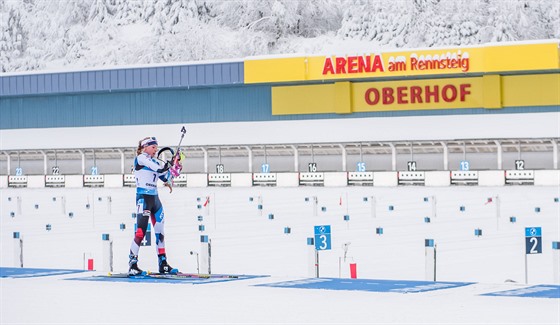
[507, 57]
[485, 92]
[418, 94]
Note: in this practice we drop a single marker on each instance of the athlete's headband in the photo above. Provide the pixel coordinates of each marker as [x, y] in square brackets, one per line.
[149, 142]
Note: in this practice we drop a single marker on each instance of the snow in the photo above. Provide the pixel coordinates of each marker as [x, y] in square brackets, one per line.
[246, 241]
[68, 34]
[434, 128]
[50, 301]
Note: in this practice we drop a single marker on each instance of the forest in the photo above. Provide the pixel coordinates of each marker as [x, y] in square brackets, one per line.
[79, 34]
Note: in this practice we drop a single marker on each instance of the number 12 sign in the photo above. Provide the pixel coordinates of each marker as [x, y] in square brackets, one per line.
[322, 237]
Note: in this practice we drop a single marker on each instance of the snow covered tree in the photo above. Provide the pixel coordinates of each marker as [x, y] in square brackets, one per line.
[546, 18]
[281, 18]
[100, 11]
[11, 38]
[385, 23]
[127, 11]
[14, 37]
[451, 23]
[85, 33]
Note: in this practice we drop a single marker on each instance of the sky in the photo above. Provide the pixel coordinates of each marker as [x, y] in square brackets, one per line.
[246, 241]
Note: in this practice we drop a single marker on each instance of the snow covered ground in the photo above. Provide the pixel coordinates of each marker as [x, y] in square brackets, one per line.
[55, 301]
[246, 240]
[430, 128]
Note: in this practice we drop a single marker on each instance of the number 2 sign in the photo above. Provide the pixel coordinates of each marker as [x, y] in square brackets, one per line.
[533, 240]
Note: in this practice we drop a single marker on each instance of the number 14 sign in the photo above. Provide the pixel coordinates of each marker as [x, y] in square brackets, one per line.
[322, 237]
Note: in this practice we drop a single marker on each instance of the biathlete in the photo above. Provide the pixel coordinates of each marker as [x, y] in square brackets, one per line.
[147, 171]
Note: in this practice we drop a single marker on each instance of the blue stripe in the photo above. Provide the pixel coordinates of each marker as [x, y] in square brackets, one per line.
[146, 191]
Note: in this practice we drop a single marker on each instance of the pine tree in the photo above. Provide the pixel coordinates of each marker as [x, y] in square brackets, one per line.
[12, 39]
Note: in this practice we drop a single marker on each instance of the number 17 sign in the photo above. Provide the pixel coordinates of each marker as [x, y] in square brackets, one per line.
[322, 237]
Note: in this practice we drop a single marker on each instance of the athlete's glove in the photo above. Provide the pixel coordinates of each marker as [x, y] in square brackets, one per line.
[177, 166]
[176, 169]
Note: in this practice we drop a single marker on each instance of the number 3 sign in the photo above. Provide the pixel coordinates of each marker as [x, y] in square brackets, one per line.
[322, 237]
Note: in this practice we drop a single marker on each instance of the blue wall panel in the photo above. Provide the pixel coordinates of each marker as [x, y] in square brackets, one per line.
[40, 84]
[152, 77]
[11, 84]
[90, 81]
[137, 77]
[62, 83]
[160, 77]
[208, 75]
[200, 74]
[168, 77]
[138, 107]
[69, 82]
[48, 83]
[106, 80]
[114, 79]
[184, 76]
[217, 74]
[176, 77]
[234, 73]
[226, 73]
[195, 75]
[145, 78]
[55, 83]
[192, 75]
[26, 84]
[83, 84]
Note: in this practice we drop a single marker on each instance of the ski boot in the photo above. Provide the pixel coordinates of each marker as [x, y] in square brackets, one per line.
[133, 268]
[165, 268]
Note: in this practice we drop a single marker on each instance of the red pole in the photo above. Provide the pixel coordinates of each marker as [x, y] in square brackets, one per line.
[90, 264]
[353, 271]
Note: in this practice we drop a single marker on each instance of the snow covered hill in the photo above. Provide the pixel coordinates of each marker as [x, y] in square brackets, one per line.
[46, 35]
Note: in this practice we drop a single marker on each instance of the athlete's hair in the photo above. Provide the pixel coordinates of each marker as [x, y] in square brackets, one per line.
[140, 147]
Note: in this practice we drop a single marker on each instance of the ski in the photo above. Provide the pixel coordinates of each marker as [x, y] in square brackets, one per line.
[179, 275]
[126, 275]
[190, 275]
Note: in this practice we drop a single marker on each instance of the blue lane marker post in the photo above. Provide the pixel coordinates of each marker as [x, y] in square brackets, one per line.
[430, 253]
[556, 261]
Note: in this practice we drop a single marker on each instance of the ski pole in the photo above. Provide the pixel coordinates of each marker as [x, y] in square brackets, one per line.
[178, 151]
[183, 131]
